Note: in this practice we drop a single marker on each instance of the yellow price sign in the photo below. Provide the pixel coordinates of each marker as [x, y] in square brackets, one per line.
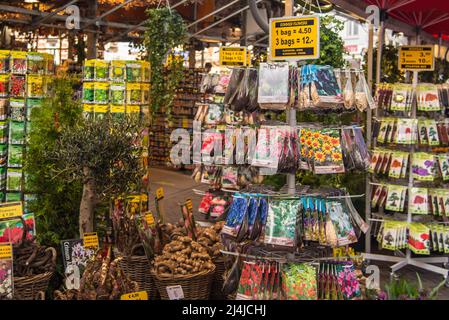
[248, 58]
[141, 295]
[149, 218]
[185, 123]
[416, 58]
[90, 240]
[160, 193]
[189, 204]
[5, 251]
[11, 210]
[233, 56]
[295, 38]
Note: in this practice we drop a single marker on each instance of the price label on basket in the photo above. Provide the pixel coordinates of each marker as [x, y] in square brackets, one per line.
[11, 210]
[5, 250]
[416, 58]
[149, 218]
[141, 295]
[160, 193]
[189, 204]
[175, 292]
[295, 38]
[90, 240]
[233, 56]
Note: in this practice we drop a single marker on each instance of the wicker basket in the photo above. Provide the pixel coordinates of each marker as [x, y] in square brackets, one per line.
[27, 288]
[139, 270]
[217, 283]
[194, 287]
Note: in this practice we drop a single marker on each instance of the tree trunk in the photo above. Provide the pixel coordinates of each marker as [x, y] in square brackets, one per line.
[87, 205]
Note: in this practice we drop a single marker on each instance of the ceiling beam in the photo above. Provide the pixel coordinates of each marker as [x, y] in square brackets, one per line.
[117, 7]
[52, 14]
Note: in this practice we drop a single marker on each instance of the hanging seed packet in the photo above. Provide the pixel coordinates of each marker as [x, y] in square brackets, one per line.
[18, 62]
[17, 109]
[117, 111]
[401, 97]
[100, 110]
[419, 238]
[88, 92]
[418, 201]
[299, 282]
[145, 93]
[118, 71]
[35, 86]
[273, 84]
[406, 132]
[89, 70]
[280, 228]
[101, 92]
[13, 196]
[237, 211]
[118, 93]
[146, 71]
[229, 178]
[427, 97]
[133, 93]
[17, 85]
[133, 71]
[16, 132]
[422, 132]
[395, 198]
[35, 63]
[101, 70]
[397, 162]
[342, 223]
[249, 280]
[327, 152]
[15, 156]
[4, 61]
[423, 167]
[14, 179]
[443, 162]
[6, 272]
[4, 103]
[214, 114]
[4, 85]
[432, 132]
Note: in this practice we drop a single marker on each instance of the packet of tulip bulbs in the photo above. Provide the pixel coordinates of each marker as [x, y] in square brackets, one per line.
[274, 90]
[280, 228]
[250, 281]
[7, 277]
[237, 211]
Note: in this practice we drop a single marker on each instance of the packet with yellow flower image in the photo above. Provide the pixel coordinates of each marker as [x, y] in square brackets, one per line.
[327, 152]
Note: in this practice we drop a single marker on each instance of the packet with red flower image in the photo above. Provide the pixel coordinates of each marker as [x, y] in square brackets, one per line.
[250, 280]
[11, 230]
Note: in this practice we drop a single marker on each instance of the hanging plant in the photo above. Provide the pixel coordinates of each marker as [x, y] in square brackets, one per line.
[165, 31]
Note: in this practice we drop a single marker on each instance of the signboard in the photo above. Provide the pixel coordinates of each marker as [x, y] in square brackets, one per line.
[416, 58]
[189, 204]
[141, 295]
[149, 218]
[233, 56]
[160, 193]
[11, 210]
[295, 38]
[90, 240]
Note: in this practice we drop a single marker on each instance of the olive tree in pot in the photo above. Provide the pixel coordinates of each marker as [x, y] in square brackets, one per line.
[104, 155]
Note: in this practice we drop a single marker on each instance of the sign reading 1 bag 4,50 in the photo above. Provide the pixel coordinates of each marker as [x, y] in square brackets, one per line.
[295, 38]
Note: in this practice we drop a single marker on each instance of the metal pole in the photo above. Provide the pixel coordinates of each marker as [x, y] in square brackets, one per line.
[380, 41]
[369, 116]
[52, 14]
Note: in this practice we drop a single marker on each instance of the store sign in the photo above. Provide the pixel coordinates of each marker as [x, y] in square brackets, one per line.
[295, 38]
[160, 193]
[416, 58]
[141, 295]
[90, 240]
[233, 56]
[11, 210]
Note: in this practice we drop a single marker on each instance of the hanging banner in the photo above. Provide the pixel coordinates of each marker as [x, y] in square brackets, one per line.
[416, 58]
[233, 56]
[295, 38]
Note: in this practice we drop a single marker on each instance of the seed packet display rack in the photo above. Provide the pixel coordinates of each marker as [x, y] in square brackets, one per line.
[402, 259]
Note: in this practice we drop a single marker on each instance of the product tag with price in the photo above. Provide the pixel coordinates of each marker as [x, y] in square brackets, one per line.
[149, 218]
[295, 38]
[160, 193]
[90, 240]
[233, 56]
[175, 292]
[416, 58]
[189, 205]
[141, 295]
[11, 210]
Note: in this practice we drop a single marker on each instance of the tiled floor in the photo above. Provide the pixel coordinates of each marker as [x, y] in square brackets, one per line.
[178, 187]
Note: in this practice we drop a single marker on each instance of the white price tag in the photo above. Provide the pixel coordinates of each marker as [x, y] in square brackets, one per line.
[175, 292]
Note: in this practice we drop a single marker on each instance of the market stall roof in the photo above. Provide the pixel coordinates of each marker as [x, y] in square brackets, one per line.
[431, 16]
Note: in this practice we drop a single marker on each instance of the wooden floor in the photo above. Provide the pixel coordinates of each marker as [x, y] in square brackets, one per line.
[178, 187]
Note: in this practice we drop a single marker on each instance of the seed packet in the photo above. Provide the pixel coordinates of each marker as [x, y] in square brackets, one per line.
[88, 92]
[396, 165]
[145, 93]
[423, 167]
[422, 132]
[407, 131]
[432, 132]
[15, 156]
[17, 109]
[7, 276]
[35, 86]
[16, 132]
[89, 70]
[101, 92]
[117, 111]
[4, 61]
[237, 211]
[100, 110]
[146, 71]
[326, 151]
[273, 84]
[117, 94]
[419, 239]
[18, 62]
[381, 137]
[14, 179]
[395, 198]
[418, 201]
[250, 280]
[402, 97]
[427, 97]
[214, 114]
[35, 63]
[280, 228]
[3, 154]
[101, 70]
[4, 85]
[118, 71]
[443, 162]
[17, 85]
[133, 93]
[133, 71]
[299, 282]
[3, 131]
[342, 223]
[13, 196]
[229, 178]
